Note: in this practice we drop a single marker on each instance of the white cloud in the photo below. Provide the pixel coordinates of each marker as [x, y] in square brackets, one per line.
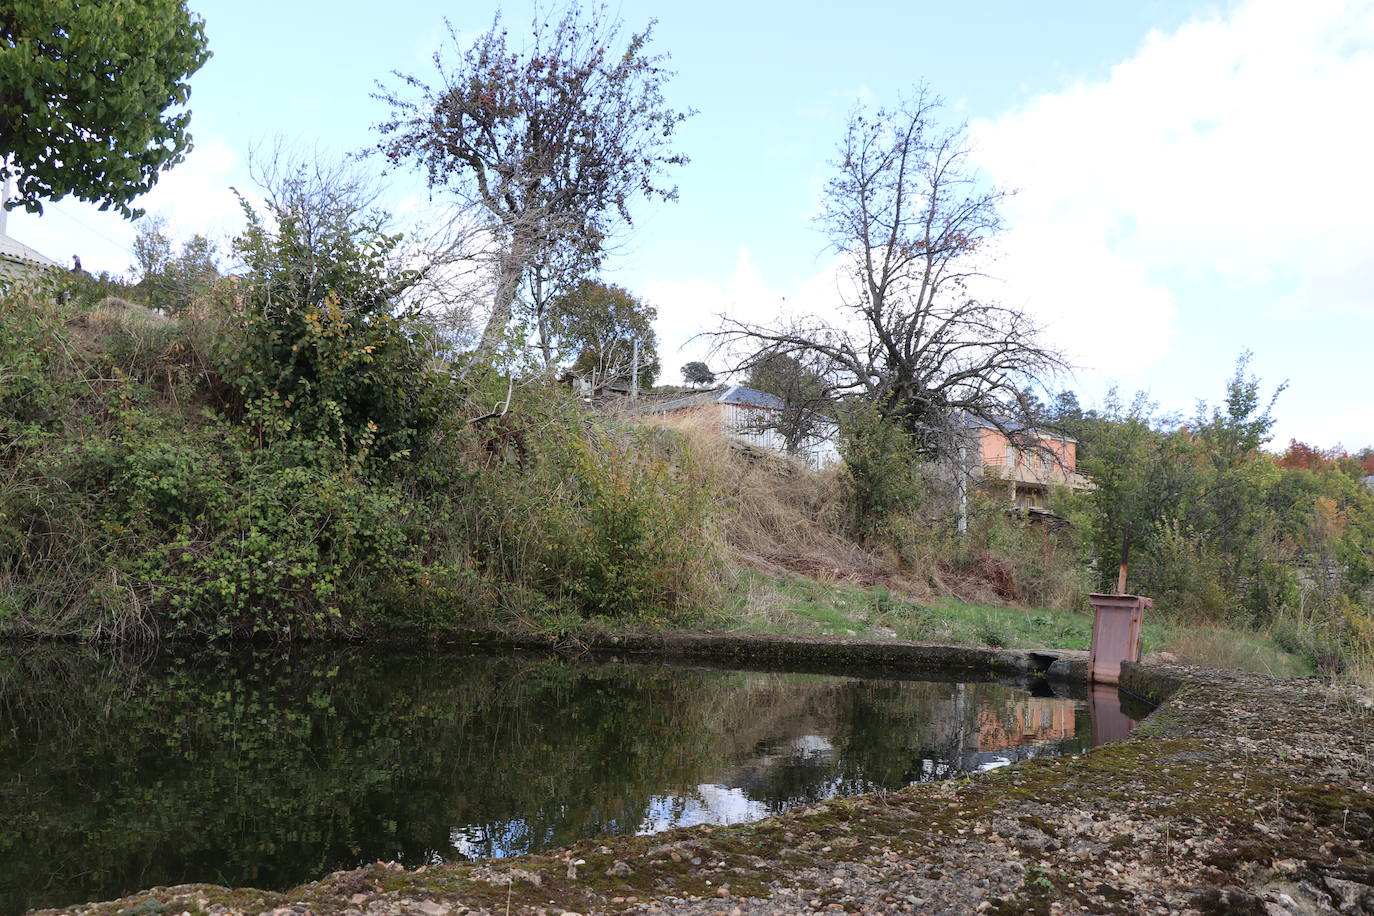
[687, 308]
[1236, 148]
[1097, 305]
[1324, 428]
[194, 197]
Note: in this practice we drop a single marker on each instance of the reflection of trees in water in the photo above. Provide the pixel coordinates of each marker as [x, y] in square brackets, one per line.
[273, 768]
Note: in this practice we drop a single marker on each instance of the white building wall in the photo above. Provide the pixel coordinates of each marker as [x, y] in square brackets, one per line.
[752, 425]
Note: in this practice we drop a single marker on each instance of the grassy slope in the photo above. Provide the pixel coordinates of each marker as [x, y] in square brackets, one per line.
[801, 606]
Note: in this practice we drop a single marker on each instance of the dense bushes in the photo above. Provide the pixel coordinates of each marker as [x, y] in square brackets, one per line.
[875, 520]
[325, 352]
[131, 511]
[1226, 533]
[286, 457]
[885, 485]
[596, 518]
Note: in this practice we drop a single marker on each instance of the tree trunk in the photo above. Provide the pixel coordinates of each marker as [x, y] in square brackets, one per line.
[510, 267]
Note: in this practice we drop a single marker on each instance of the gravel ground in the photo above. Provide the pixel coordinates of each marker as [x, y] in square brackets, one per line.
[1241, 794]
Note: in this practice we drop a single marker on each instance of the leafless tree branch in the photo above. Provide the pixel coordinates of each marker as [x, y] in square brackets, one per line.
[911, 220]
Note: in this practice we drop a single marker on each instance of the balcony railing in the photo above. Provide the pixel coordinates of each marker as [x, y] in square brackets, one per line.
[1035, 469]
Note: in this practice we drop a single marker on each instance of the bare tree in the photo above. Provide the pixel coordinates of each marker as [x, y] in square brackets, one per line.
[552, 275]
[911, 220]
[550, 144]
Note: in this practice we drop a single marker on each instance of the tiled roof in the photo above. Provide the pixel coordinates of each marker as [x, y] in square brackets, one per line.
[13, 250]
[684, 403]
[735, 394]
[750, 397]
[1015, 426]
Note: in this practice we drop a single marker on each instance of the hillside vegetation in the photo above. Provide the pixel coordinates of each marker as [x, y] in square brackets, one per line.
[294, 452]
[284, 454]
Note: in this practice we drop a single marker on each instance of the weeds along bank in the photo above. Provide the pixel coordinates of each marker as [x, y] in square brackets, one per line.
[269, 466]
[291, 462]
[238, 470]
[1297, 583]
[185, 476]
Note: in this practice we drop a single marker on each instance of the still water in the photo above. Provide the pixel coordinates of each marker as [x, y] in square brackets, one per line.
[269, 769]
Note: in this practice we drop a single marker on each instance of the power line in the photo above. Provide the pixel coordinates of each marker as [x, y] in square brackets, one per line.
[118, 245]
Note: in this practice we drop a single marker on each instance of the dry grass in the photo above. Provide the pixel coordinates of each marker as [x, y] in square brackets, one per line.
[780, 515]
[1359, 661]
[1218, 647]
[146, 345]
[113, 312]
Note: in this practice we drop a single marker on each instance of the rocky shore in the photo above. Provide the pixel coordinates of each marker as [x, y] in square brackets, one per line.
[1239, 794]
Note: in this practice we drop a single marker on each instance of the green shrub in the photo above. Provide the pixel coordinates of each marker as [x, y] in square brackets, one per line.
[885, 484]
[624, 540]
[1185, 576]
[34, 378]
[131, 511]
[574, 514]
[327, 351]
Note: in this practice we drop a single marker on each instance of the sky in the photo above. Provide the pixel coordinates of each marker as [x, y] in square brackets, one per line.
[1192, 180]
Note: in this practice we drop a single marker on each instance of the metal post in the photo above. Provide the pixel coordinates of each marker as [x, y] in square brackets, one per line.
[1125, 561]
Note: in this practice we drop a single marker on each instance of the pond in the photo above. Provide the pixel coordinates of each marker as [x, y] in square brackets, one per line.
[273, 768]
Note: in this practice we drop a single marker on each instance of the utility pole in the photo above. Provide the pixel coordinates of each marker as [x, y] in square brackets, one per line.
[634, 372]
[4, 197]
[961, 484]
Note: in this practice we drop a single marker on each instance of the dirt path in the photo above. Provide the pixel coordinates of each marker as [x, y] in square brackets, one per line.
[1241, 794]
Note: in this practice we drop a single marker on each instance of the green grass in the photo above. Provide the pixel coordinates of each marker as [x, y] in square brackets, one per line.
[801, 606]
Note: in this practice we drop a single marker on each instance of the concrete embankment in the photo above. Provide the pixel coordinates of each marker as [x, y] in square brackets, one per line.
[1239, 794]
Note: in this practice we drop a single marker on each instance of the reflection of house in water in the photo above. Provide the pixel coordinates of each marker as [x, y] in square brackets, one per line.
[1035, 720]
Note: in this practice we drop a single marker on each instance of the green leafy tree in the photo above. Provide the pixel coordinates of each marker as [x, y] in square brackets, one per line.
[804, 395]
[85, 87]
[596, 325]
[698, 373]
[882, 467]
[173, 281]
[1198, 497]
[1065, 409]
[152, 249]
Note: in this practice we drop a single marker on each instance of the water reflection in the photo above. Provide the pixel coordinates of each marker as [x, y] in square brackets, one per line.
[274, 768]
